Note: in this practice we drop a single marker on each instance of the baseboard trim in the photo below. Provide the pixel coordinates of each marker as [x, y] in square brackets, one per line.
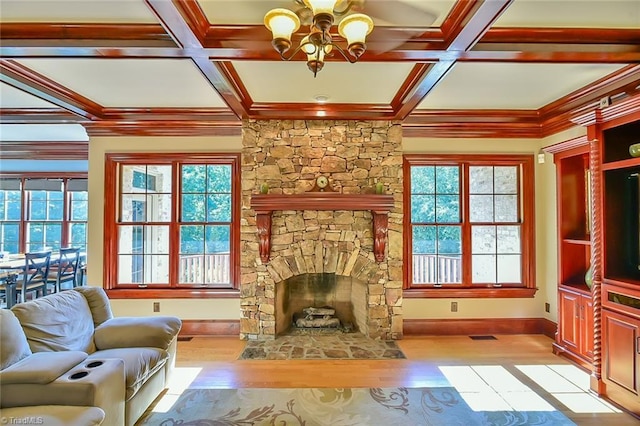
[210, 328]
[482, 326]
[412, 327]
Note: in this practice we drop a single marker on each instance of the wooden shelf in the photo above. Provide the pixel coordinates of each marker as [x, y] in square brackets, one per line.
[322, 201]
[379, 204]
[621, 164]
[579, 241]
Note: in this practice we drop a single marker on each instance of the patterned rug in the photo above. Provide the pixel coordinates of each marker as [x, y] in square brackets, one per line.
[338, 407]
[334, 346]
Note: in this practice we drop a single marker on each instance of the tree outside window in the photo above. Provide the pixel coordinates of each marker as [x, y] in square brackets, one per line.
[470, 225]
[173, 222]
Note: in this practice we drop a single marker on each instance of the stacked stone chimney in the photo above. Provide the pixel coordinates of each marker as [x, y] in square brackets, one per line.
[288, 156]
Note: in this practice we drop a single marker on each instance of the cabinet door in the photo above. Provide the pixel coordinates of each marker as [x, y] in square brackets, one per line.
[586, 326]
[569, 320]
[620, 340]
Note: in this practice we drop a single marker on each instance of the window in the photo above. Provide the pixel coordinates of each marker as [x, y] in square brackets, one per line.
[469, 227]
[173, 224]
[38, 213]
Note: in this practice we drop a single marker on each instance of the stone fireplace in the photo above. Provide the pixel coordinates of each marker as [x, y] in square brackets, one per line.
[319, 255]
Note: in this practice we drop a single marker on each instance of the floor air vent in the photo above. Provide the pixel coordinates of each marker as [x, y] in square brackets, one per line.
[483, 337]
[184, 339]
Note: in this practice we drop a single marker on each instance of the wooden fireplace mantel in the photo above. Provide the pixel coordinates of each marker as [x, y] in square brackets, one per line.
[265, 204]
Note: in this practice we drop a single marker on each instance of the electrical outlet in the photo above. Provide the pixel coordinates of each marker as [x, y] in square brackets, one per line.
[454, 306]
[547, 307]
[156, 306]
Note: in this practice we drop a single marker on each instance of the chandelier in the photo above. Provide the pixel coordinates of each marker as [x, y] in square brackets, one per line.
[318, 43]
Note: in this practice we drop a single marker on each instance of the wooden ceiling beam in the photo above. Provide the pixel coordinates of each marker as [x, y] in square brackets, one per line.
[28, 81]
[183, 31]
[473, 19]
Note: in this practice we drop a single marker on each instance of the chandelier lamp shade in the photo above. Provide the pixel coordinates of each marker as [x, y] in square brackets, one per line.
[318, 43]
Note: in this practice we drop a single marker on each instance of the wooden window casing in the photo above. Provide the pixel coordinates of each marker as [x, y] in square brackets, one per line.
[464, 288]
[114, 164]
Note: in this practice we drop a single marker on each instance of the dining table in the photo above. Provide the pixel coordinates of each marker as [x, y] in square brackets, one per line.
[13, 265]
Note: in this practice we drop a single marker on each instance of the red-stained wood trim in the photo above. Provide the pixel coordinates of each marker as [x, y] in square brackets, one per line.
[219, 115]
[526, 216]
[110, 283]
[28, 81]
[36, 115]
[69, 34]
[194, 16]
[299, 111]
[41, 150]
[163, 128]
[569, 147]
[171, 16]
[549, 328]
[322, 201]
[265, 204]
[475, 327]
[171, 293]
[559, 36]
[209, 328]
[470, 293]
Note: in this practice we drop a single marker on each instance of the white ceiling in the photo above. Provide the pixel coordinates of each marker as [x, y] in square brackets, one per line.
[166, 80]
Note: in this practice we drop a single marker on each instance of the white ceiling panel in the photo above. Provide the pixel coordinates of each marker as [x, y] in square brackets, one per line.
[172, 83]
[43, 132]
[422, 13]
[10, 97]
[341, 82]
[572, 13]
[76, 11]
[510, 85]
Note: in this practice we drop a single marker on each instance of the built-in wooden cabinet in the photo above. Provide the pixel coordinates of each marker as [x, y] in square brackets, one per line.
[574, 338]
[598, 198]
[575, 326]
[621, 264]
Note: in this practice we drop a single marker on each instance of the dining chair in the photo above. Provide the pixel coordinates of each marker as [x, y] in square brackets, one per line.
[33, 278]
[64, 270]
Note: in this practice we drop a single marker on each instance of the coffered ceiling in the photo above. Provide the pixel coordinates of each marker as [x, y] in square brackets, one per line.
[499, 68]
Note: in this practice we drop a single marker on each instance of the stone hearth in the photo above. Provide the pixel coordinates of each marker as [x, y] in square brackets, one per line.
[288, 156]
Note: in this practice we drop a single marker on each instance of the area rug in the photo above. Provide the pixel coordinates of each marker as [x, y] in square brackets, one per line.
[338, 407]
[335, 346]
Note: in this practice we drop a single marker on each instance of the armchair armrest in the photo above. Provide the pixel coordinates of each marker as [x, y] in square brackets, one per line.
[41, 367]
[130, 332]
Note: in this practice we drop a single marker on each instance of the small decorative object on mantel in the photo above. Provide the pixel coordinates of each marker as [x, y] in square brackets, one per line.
[379, 188]
[264, 188]
[634, 150]
[322, 185]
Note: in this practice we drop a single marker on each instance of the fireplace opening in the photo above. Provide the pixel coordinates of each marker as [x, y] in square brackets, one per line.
[320, 303]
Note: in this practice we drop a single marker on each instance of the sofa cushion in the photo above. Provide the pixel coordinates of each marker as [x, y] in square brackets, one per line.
[139, 364]
[13, 342]
[54, 415]
[98, 303]
[126, 332]
[58, 322]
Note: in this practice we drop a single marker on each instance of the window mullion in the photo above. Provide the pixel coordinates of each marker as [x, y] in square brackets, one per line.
[174, 224]
[466, 227]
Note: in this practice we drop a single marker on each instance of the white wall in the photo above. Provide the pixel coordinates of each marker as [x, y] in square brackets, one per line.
[546, 234]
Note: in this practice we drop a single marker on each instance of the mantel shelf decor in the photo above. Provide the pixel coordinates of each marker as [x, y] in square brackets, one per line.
[265, 204]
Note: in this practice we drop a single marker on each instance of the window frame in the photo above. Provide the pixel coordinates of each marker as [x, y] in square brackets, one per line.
[527, 219]
[112, 190]
[25, 202]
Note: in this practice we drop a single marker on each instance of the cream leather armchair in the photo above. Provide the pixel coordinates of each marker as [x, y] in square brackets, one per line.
[68, 349]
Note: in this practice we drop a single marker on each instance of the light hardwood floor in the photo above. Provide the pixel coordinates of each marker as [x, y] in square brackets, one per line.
[214, 363]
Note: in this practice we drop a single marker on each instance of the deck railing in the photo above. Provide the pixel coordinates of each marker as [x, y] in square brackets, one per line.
[432, 269]
[205, 269]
